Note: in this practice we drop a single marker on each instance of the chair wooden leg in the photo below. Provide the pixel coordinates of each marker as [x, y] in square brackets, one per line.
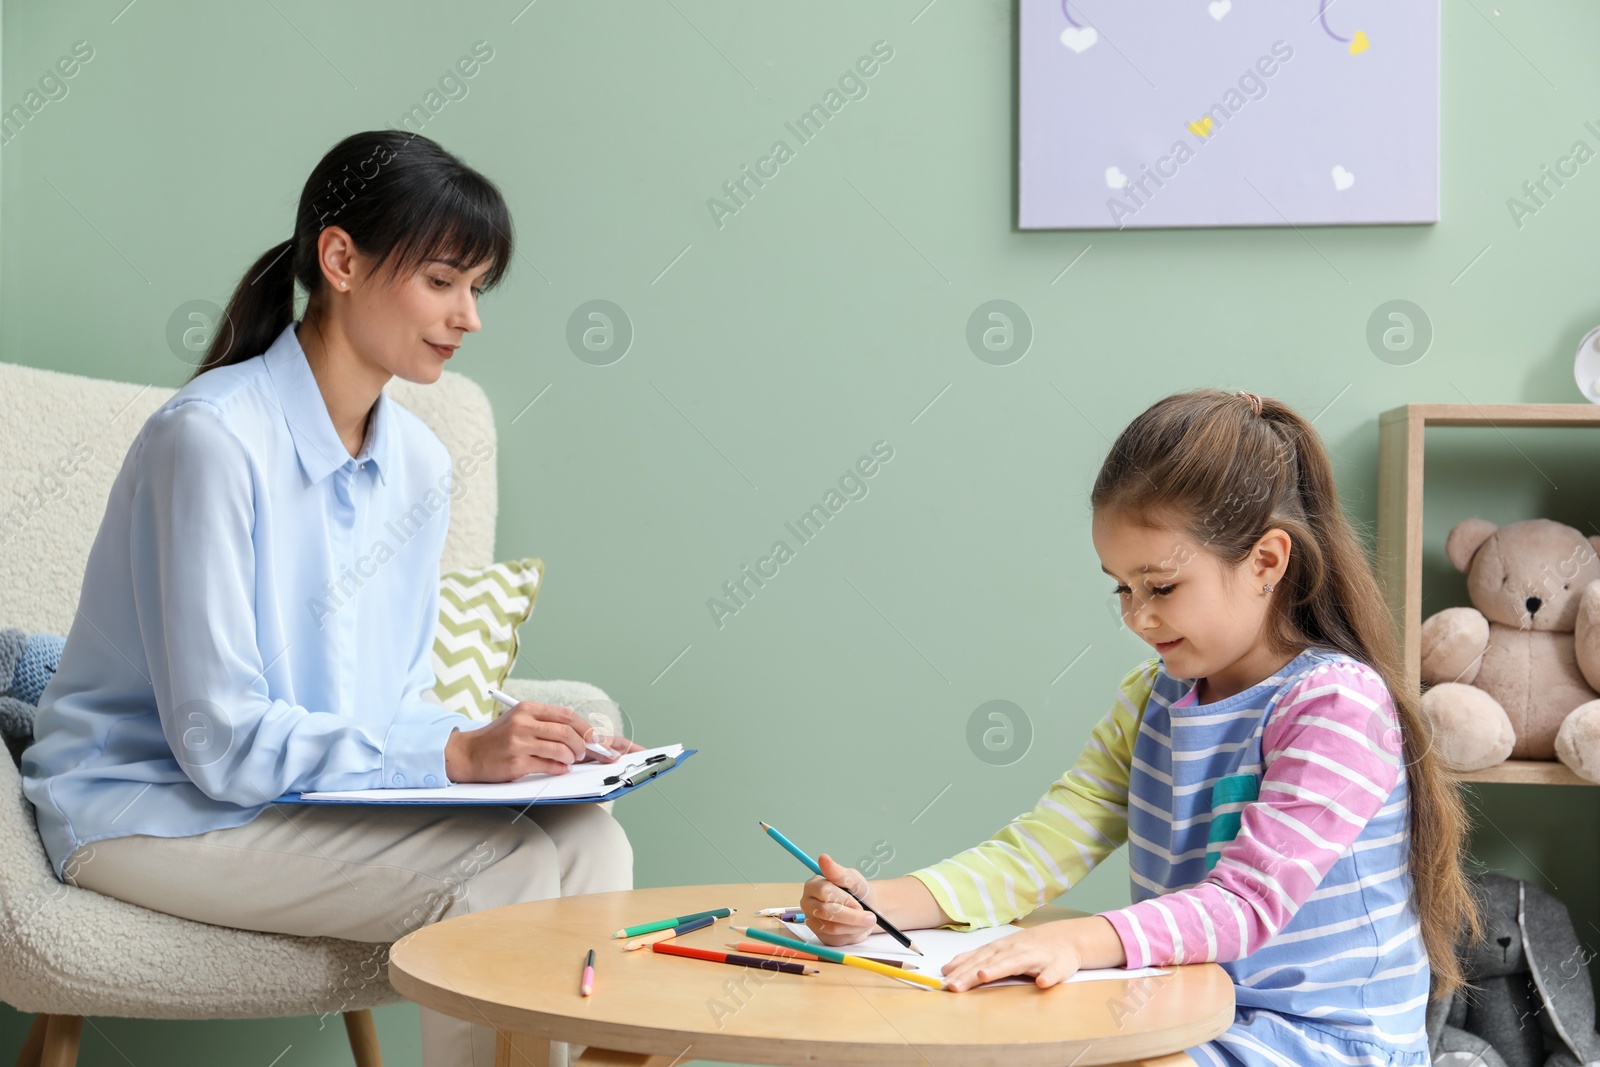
[29, 1057]
[61, 1041]
[363, 1038]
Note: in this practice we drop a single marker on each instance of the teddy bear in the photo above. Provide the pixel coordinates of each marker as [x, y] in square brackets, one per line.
[1516, 674]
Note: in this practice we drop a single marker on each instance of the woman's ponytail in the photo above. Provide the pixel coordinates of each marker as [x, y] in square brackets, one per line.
[259, 309]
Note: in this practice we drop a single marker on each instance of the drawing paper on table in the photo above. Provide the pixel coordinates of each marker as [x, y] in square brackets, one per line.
[581, 780]
[941, 946]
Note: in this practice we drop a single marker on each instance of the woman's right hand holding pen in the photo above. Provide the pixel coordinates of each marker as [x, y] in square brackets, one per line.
[836, 919]
[527, 739]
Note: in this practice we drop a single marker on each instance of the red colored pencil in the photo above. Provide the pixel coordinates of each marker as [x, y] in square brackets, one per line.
[717, 956]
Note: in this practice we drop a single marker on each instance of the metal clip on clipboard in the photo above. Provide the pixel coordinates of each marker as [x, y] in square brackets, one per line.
[643, 772]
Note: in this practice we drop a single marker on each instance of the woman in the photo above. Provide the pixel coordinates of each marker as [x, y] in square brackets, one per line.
[204, 675]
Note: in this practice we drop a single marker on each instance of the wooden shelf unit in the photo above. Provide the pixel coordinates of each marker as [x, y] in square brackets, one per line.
[1399, 557]
[1525, 772]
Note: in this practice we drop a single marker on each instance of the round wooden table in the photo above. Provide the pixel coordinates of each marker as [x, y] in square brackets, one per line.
[517, 969]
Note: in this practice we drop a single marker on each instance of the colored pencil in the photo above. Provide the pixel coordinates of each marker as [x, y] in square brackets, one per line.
[800, 855]
[774, 950]
[835, 956]
[667, 935]
[586, 987]
[717, 956]
[662, 924]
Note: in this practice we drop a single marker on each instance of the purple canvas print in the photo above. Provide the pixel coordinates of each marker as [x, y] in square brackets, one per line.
[1228, 113]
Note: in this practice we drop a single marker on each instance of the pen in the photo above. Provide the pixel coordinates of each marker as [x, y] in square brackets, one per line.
[508, 701]
[588, 975]
[794, 849]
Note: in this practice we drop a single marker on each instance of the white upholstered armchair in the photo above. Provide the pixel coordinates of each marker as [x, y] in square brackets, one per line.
[65, 952]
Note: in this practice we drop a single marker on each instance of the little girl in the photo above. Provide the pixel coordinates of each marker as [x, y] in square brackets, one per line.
[1268, 768]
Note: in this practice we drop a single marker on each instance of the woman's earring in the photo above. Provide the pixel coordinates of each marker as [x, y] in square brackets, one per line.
[1265, 589]
[343, 284]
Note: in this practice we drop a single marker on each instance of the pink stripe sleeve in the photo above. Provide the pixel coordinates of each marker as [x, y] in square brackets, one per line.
[1332, 757]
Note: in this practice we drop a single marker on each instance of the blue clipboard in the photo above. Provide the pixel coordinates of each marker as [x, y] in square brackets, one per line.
[620, 790]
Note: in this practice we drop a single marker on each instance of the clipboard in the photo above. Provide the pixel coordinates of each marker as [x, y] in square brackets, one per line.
[642, 776]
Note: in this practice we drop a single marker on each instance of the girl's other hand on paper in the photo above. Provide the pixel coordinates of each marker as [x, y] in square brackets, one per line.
[830, 913]
[527, 739]
[1048, 952]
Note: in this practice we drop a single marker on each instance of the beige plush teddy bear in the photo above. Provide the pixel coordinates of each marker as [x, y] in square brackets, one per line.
[1516, 673]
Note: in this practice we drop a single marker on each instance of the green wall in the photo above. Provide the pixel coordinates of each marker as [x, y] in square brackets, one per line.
[780, 346]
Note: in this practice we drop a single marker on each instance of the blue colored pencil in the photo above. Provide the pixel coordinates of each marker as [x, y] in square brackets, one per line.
[795, 850]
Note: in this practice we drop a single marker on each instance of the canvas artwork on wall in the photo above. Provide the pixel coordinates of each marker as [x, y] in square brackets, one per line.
[1228, 113]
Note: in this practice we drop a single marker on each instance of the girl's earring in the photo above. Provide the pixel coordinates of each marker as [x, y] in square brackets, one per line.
[1265, 589]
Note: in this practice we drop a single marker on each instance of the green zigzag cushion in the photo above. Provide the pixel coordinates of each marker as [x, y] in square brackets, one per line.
[475, 645]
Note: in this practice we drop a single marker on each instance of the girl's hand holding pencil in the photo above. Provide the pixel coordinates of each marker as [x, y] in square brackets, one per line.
[850, 890]
[830, 912]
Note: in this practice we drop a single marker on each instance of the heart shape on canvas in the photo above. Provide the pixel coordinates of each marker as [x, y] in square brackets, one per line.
[1078, 38]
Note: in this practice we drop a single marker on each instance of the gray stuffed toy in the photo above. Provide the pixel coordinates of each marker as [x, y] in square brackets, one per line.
[1534, 1005]
[26, 664]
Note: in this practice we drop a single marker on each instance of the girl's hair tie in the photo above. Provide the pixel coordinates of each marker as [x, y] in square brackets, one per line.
[1255, 401]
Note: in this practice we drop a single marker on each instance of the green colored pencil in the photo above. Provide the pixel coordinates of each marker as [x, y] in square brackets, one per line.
[663, 924]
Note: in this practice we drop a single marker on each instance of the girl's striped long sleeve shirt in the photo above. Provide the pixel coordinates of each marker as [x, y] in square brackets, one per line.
[1266, 831]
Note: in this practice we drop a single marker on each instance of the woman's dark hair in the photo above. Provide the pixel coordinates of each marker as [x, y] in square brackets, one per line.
[1207, 463]
[402, 199]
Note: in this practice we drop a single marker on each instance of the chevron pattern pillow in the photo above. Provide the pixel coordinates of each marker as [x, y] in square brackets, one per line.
[475, 645]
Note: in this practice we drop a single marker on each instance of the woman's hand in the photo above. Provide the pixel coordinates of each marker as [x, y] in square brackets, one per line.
[1048, 951]
[527, 739]
[830, 913]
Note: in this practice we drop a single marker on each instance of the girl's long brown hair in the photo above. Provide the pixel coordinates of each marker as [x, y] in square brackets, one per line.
[1205, 462]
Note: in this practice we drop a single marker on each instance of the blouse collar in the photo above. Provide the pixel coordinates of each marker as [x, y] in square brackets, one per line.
[316, 441]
